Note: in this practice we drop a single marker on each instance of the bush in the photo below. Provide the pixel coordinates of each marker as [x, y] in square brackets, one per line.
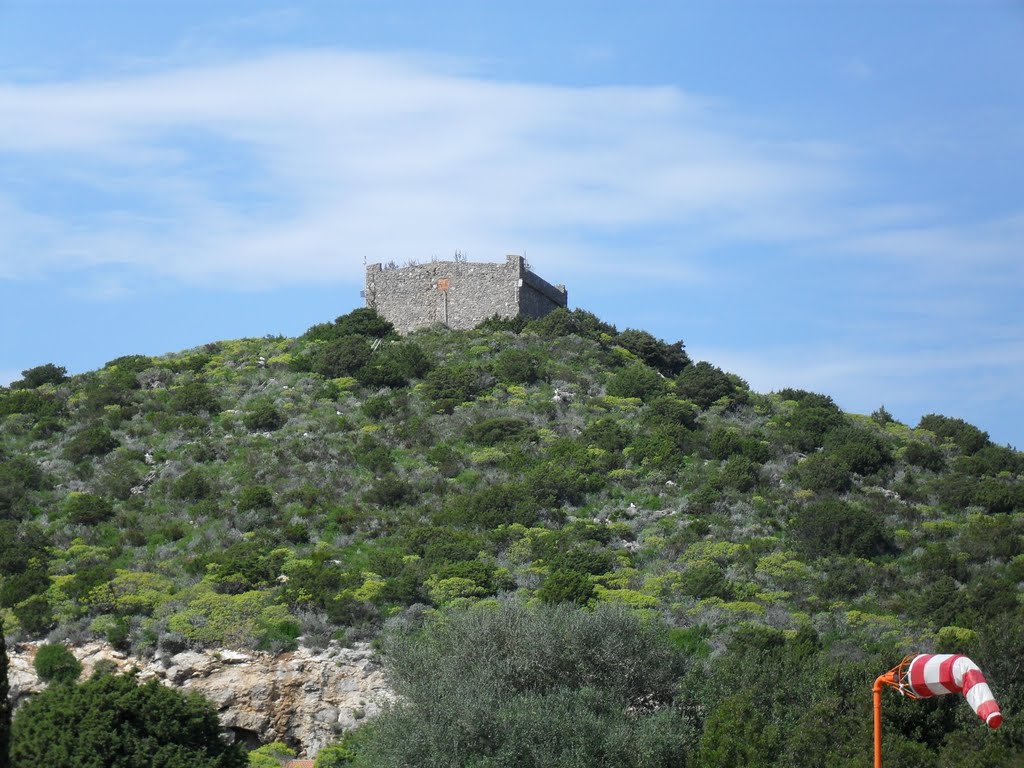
[637, 380]
[363, 321]
[706, 384]
[832, 527]
[96, 440]
[56, 664]
[823, 473]
[86, 509]
[967, 437]
[341, 357]
[517, 366]
[263, 416]
[812, 419]
[255, 497]
[394, 365]
[668, 359]
[565, 586]
[453, 385]
[194, 397]
[925, 456]
[192, 486]
[500, 430]
[530, 688]
[41, 374]
[564, 322]
[862, 451]
[111, 720]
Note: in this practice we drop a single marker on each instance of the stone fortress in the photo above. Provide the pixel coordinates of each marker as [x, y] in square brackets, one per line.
[458, 294]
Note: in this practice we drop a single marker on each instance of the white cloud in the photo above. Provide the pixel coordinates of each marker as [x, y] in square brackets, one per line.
[333, 157]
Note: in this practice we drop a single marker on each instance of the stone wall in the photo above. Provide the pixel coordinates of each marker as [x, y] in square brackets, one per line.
[458, 294]
[304, 698]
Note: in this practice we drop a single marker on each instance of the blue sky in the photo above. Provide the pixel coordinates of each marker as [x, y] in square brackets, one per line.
[809, 194]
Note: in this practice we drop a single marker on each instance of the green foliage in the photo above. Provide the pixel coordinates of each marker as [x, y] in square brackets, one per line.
[255, 497]
[517, 366]
[832, 527]
[668, 359]
[499, 430]
[41, 405]
[564, 322]
[56, 664]
[967, 437]
[823, 473]
[195, 397]
[343, 356]
[925, 456]
[706, 384]
[263, 416]
[812, 419]
[452, 385]
[19, 476]
[271, 755]
[194, 485]
[87, 509]
[637, 380]
[862, 451]
[394, 365]
[95, 440]
[566, 586]
[549, 686]
[40, 375]
[338, 755]
[111, 720]
[362, 321]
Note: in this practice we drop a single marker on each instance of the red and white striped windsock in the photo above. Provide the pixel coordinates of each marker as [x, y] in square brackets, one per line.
[934, 674]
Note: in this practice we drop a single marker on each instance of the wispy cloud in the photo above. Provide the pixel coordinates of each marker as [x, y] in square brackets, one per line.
[332, 157]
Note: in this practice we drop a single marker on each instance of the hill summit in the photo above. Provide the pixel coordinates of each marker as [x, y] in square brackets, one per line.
[263, 492]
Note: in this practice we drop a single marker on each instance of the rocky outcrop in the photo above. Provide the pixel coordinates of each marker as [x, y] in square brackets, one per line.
[305, 698]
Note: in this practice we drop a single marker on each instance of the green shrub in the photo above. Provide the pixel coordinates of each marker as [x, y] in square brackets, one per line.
[564, 322]
[637, 380]
[195, 397]
[255, 497]
[41, 405]
[967, 437]
[823, 473]
[565, 586]
[192, 486]
[41, 374]
[111, 720]
[861, 450]
[363, 321]
[394, 365]
[668, 359]
[499, 430]
[86, 509]
[95, 440]
[517, 366]
[341, 357]
[56, 664]
[706, 384]
[833, 527]
[263, 416]
[453, 385]
[526, 688]
[925, 456]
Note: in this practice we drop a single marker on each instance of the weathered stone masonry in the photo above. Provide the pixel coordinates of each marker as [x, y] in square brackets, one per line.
[459, 294]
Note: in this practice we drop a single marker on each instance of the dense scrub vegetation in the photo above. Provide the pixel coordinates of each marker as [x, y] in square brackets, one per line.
[252, 492]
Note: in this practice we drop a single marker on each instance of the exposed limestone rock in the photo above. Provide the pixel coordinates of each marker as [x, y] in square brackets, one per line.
[305, 698]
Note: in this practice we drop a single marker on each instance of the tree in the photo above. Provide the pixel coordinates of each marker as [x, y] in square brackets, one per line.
[56, 664]
[5, 702]
[113, 721]
[522, 686]
[41, 374]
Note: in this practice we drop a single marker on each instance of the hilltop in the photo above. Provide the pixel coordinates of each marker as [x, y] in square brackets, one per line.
[253, 492]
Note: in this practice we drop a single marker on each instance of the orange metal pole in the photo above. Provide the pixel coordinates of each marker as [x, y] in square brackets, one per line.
[876, 692]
